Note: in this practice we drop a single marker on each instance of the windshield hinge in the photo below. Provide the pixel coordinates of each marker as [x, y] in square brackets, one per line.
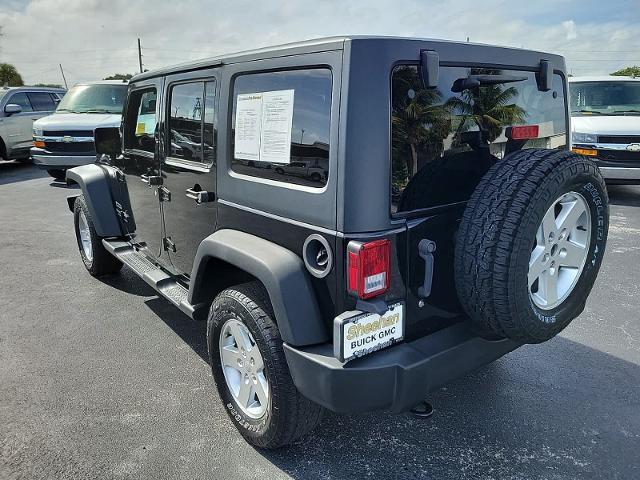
[545, 76]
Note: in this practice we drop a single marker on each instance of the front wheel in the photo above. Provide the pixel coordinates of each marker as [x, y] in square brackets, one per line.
[97, 260]
[251, 372]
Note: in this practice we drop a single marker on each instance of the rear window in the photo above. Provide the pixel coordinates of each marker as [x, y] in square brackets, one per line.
[42, 101]
[444, 141]
[281, 124]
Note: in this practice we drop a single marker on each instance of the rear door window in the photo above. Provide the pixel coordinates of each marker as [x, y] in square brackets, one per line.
[192, 122]
[41, 101]
[22, 100]
[281, 123]
[444, 141]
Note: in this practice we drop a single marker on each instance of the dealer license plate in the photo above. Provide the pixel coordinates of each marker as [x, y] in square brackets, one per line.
[357, 334]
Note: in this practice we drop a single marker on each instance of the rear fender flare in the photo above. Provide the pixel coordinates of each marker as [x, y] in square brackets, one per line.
[94, 183]
[281, 271]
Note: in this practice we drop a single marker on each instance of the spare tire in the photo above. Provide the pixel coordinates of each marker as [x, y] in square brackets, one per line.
[530, 244]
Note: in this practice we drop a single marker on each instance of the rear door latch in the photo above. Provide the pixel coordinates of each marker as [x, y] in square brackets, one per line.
[426, 248]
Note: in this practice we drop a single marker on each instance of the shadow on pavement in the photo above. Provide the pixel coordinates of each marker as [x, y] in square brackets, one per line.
[127, 281]
[191, 332]
[543, 409]
[624, 195]
[524, 416]
[14, 171]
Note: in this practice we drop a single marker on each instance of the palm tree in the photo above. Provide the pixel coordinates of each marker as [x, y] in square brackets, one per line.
[419, 119]
[489, 108]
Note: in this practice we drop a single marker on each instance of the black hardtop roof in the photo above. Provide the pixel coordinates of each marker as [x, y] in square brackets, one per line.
[313, 46]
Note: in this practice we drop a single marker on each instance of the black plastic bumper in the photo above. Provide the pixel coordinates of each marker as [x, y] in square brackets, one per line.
[396, 378]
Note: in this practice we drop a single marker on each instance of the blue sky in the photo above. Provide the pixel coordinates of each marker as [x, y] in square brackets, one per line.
[95, 38]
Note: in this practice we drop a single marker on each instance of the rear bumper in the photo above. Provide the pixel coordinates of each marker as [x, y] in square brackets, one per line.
[394, 379]
[44, 159]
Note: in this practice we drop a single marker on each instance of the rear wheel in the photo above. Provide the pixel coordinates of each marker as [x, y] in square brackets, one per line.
[251, 372]
[97, 260]
[530, 244]
[57, 173]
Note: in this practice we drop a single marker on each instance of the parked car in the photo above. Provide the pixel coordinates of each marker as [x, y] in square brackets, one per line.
[312, 171]
[605, 119]
[443, 233]
[65, 139]
[19, 107]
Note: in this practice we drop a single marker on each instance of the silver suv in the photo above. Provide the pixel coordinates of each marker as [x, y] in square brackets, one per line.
[19, 107]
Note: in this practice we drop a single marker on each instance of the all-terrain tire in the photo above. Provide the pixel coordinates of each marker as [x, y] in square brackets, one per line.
[497, 235]
[57, 173]
[98, 261]
[289, 415]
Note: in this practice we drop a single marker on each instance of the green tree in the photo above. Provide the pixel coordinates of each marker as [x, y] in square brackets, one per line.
[419, 119]
[50, 85]
[489, 108]
[9, 76]
[628, 72]
[119, 76]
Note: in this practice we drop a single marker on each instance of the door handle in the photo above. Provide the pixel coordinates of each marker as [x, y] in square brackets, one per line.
[200, 196]
[151, 179]
[425, 250]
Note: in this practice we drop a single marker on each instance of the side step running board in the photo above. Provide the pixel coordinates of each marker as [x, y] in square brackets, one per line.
[159, 280]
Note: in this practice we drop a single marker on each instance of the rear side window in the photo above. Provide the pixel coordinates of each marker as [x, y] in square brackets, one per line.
[22, 100]
[42, 101]
[281, 125]
[140, 124]
[444, 141]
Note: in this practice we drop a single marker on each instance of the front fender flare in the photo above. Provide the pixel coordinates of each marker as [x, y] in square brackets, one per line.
[280, 270]
[94, 182]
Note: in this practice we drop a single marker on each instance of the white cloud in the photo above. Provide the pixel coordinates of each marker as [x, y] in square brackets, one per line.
[93, 38]
[570, 27]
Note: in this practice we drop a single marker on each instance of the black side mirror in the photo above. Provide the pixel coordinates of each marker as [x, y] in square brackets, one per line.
[107, 141]
[429, 68]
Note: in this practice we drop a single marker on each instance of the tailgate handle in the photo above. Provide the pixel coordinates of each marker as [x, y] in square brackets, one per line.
[425, 250]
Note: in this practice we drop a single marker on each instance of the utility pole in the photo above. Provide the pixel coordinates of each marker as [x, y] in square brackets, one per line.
[140, 55]
[63, 77]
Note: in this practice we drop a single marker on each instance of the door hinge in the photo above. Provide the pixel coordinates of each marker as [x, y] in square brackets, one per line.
[168, 245]
[164, 195]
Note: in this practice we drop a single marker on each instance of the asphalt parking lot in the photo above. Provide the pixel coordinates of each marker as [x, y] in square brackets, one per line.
[102, 379]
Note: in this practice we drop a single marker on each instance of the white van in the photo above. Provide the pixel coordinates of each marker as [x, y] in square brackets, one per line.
[605, 124]
[65, 139]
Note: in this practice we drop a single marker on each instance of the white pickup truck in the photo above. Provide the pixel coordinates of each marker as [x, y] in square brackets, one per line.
[65, 139]
[605, 124]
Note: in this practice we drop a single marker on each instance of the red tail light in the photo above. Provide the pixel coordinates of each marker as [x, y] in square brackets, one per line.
[368, 268]
[523, 132]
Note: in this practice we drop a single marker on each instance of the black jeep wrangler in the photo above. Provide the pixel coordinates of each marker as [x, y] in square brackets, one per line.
[359, 220]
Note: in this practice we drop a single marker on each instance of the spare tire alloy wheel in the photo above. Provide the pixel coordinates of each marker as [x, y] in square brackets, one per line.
[530, 244]
[243, 369]
[560, 252]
